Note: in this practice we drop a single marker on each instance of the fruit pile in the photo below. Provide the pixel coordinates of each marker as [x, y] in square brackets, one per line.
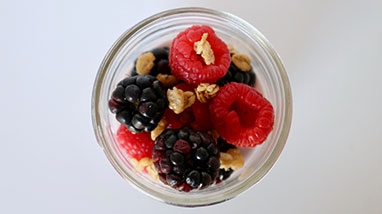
[186, 109]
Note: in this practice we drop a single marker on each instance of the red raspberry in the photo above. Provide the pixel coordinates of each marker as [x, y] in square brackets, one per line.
[200, 112]
[190, 67]
[241, 115]
[176, 121]
[184, 87]
[136, 145]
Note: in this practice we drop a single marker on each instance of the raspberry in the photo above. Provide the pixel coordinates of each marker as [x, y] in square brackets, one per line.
[200, 112]
[185, 87]
[138, 102]
[241, 115]
[190, 67]
[176, 121]
[186, 159]
[138, 145]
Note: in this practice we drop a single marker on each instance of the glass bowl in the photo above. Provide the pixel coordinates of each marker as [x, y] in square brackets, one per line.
[159, 30]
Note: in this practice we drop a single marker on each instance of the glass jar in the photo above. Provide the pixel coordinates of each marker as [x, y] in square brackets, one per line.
[159, 30]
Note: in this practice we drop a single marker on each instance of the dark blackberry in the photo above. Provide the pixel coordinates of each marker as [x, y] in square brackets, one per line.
[234, 74]
[224, 174]
[160, 63]
[186, 159]
[223, 145]
[138, 102]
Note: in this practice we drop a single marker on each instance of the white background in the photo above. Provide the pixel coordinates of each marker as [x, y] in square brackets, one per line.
[49, 55]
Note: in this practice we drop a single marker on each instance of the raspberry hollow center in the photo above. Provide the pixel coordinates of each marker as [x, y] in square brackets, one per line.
[247, 115]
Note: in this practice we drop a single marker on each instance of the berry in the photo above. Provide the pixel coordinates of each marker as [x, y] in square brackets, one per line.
[234, 74]
[136, 145]
[184, 86]
[200, 111]
[186, 159]
[190, 67]
[160, 62]
[241, 115]
[176, 121]
[223, 145]
[138, 102]
[224, 173]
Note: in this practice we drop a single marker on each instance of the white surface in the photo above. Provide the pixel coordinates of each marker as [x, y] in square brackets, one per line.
[49, 55]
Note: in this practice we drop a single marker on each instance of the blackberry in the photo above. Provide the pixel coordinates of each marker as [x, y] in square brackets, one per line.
[224, 174]
[234, 74]
[186, 159]
[223, 145]
[138, 102]
[160, 63]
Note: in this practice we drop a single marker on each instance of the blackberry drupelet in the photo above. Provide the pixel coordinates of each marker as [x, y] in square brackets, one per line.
[224, 146]
[138, 102]
[160, 63]
[224, 174]
[234, 74]
[186, 159]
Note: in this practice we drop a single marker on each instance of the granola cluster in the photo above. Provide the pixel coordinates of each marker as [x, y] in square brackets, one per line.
[179, 100]
[206, 91]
